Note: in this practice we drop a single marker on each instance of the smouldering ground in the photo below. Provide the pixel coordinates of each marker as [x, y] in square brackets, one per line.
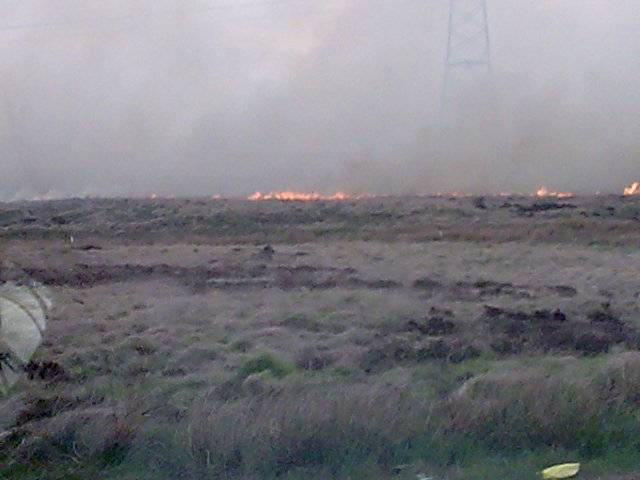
[379, 338]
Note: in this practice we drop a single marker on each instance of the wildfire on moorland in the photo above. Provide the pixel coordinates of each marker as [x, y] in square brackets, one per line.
[542, 192]
[633, 189]
[299, 196]
[292, 195]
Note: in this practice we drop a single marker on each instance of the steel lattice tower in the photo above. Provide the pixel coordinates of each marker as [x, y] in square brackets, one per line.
[468, 44]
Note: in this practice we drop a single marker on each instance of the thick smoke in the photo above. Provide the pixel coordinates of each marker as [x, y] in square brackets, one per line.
[212, 97]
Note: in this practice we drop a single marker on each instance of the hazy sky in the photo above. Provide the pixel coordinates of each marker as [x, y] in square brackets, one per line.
[199, 97]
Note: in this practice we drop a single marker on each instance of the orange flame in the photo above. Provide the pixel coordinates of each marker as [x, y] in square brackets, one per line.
[633, 189]
[288, 195]
[542, 192]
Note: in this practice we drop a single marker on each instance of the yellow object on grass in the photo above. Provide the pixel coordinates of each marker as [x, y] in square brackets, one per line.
[566, 470]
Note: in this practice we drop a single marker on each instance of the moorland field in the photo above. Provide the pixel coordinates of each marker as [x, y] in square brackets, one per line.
[386, 338]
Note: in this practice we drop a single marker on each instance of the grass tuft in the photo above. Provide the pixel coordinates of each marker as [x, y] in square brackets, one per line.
[265, 362]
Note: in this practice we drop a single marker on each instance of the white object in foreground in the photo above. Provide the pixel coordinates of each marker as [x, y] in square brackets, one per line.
[23, 320]
[565, 470]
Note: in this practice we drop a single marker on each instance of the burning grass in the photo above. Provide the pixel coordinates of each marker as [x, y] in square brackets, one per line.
[542, 192]
[288, 195]
[633, 189]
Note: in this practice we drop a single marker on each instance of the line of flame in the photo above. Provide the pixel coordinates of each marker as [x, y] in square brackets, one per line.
[288, 195]
[544, 193]
[292, 195]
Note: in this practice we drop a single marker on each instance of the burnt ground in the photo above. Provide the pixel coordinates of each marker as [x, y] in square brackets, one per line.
[159, 304]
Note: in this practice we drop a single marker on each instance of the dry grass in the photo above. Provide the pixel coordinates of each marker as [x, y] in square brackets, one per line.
[304, 426]
[193, 354]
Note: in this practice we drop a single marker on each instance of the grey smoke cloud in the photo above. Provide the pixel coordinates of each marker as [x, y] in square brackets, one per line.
[178, 98]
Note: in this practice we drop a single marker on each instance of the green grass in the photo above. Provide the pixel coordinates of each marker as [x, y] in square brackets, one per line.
[265, 362]
[455, 459]
[335, 430]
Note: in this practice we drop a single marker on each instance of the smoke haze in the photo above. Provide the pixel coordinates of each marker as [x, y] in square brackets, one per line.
[210, 97]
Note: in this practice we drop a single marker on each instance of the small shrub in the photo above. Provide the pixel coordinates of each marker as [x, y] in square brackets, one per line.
[396, 349]
[434, 326]
[433, 350]
[242, 346]
[342, 371]
[44, 407]
[464, 353]
[140, 345]
[592, 344]
[265, 363]
[313, 359]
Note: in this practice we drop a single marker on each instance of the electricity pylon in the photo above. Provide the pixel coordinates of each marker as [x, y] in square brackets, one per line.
[468, 43]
